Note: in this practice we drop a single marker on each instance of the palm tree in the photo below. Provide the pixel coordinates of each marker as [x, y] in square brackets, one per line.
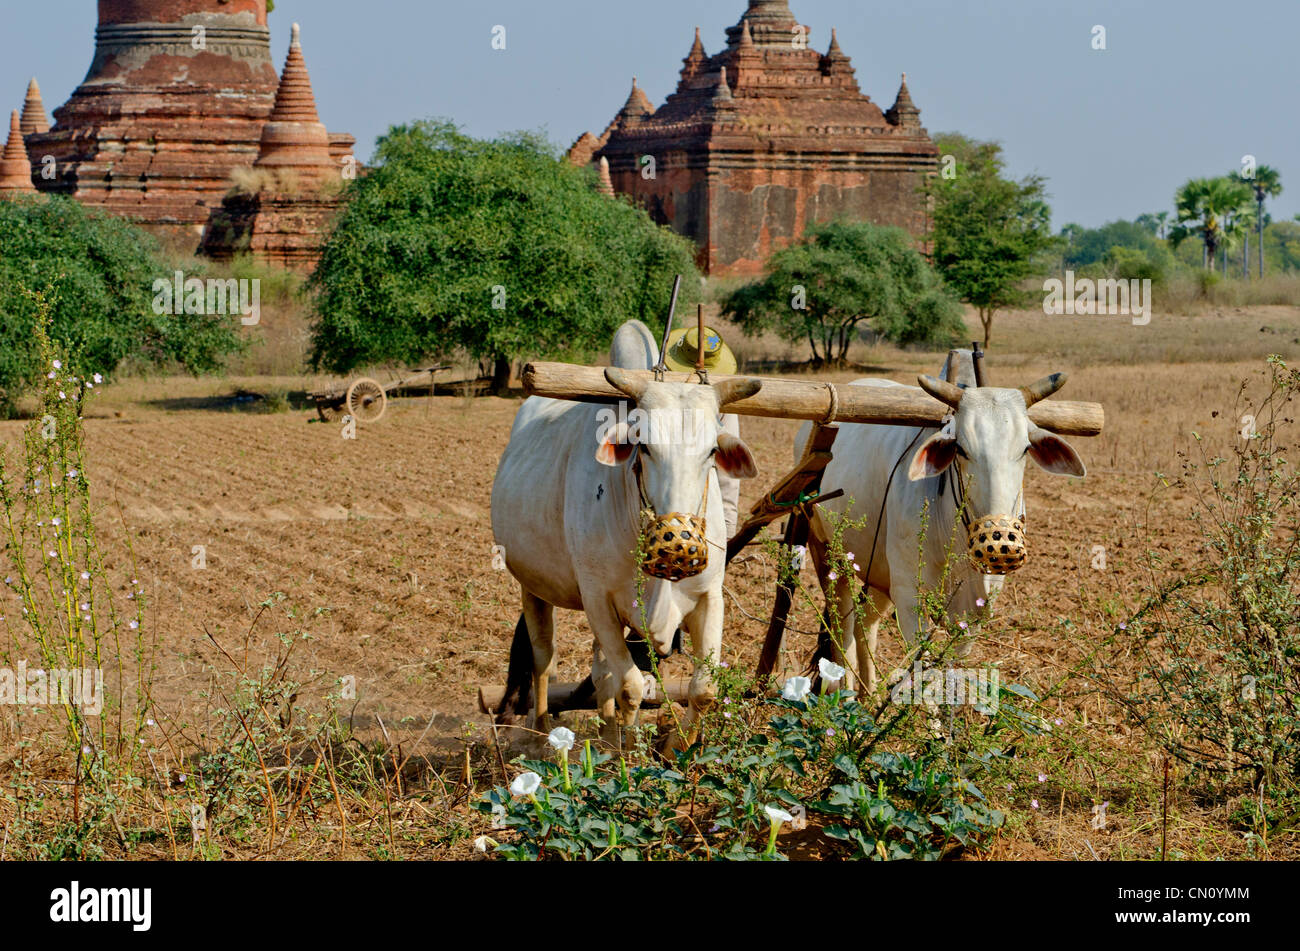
[1236, 229]
[1267, 183]
[1200, 206]
[1155, 223]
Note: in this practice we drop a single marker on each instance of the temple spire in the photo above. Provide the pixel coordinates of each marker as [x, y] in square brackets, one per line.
[606, 183]
[904, 112]
[695, 59]
[637, 107]
[769, 24]
[293, 139]
[722, 92]
[15, 169]
[33, 118]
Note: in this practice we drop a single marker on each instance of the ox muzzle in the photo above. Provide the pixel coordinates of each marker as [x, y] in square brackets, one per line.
[996, 544]
[673, 546]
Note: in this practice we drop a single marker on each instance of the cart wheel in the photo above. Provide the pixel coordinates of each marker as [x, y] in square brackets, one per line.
[328, 412]
[366, 400]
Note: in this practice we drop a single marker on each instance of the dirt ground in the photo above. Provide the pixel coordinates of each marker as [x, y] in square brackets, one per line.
[382, 545]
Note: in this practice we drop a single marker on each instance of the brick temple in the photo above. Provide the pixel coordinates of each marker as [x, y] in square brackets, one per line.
[176, 99]
[762, 139]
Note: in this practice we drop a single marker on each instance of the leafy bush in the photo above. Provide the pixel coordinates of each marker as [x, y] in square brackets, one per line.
[101, 271]
[497, 249]
[728, 797]
[843, 274]
[1130, 264]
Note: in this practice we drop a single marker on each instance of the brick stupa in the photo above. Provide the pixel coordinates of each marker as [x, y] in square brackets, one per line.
[15, 169]
[280, 214]
[34, 118]
[762, 139]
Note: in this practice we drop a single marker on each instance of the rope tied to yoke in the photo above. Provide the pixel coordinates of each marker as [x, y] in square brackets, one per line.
[834, 407]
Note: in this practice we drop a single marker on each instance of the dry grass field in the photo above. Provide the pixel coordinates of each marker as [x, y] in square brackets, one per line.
[378, 549]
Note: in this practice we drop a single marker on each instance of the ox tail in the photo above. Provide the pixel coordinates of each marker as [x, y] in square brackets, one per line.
[518, 698]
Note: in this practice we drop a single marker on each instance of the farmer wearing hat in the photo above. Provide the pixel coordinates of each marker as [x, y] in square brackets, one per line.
[682, 354]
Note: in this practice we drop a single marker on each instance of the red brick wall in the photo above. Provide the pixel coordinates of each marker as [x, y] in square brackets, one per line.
[173, 11]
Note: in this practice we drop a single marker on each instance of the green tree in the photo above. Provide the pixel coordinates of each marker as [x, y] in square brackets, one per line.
[1204, 208]
[841, 274]
[988, 231]
[1156, 223]
[100, 271]
[1090, 245]
[495, 249]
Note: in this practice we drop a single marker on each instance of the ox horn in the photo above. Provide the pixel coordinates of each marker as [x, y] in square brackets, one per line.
[941, 390]
[736, 389]
[628, 385]
[1042, 389]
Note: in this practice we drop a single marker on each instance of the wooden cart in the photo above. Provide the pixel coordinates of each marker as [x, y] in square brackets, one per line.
[365, 399]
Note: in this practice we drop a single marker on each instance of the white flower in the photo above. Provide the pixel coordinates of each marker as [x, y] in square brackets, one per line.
[133, 625]
[830, 672]
[778, 815]
[796, 688]
[58, 364]
[50, 375]
[97, 378]
[525, 784]
[85, 575]
[62, 395]
[481, 844]
[561, 738]
[831, 575]
[72, 473]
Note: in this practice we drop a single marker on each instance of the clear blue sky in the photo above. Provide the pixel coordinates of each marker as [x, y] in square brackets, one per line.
[1185, 87]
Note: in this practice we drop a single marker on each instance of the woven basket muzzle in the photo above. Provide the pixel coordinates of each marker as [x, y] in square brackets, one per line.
[674, 545]
[996, 544]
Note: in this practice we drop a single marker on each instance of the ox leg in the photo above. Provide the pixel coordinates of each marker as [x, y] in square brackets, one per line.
[618, 680]
[539, 615]
[704, 625]
[877, 609]
[602, 675]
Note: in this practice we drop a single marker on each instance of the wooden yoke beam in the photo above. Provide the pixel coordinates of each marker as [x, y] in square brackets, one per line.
[806, 399]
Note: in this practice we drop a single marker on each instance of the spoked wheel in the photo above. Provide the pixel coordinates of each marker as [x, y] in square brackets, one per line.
[366, 400]
[328, 412]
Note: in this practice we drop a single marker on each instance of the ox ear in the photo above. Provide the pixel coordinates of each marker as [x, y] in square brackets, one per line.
[934, 455]
[615, 447]
[734, 458]
[1054, 454]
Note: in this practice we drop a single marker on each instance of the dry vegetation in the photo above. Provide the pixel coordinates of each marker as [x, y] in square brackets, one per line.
[372, 559]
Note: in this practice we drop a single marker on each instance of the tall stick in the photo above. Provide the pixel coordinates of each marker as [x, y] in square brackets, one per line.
[661, 368]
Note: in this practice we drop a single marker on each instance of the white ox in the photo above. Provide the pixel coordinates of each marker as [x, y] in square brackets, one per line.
[891, 474]
[566, 506]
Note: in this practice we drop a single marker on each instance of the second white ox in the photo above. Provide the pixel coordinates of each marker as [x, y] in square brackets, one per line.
[567, 507]
[894, 475]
